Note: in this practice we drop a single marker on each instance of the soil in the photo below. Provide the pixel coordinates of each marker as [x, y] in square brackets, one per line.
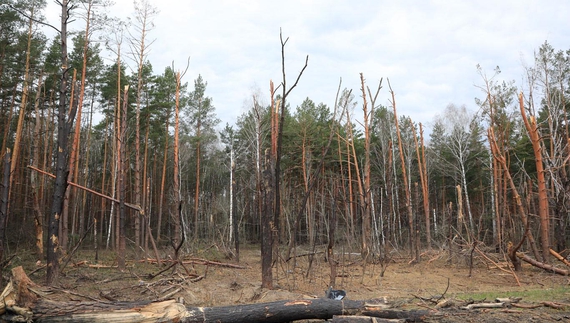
[404, 285]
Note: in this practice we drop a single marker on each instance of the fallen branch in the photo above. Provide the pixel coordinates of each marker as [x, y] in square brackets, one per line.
[196, 261]
[542, 265]
[559, 257]
[555, 305]
[132, 206]
[499, 303]
[498, 266]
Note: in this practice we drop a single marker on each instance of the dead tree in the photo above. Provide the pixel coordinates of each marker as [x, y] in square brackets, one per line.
[64, 124]
[275, 162]
[122, 185]
[413, 249]
[4, 190]
[532, 129]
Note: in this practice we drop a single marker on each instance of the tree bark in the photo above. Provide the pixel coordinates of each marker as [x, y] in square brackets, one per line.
[177, 205]
[422, 164]
[121, 254]
[23, 103]
[266, 225]
[4, 189]
[532, 130]
[35, 190]
[498, 155]
[162, 180]
[416, 257]
[233, 210]
[545, 266]
[197, 186]
[64, 122]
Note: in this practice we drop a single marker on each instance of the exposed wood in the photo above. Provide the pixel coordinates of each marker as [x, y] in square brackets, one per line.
[499, 156]
[24, 100]
[163, 179]
[34, 183]
[556, 305]
[559, 257]
[542, 265]
[366, 239]
[413, 249]
[363, 319]
[422, 164]
[532, 129]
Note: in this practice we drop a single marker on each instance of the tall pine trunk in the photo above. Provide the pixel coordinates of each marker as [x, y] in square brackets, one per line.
[413, 249]
[35, 189]
[122, 185]
[177, 205]
[543, 213]
[64, 123]
[4, 190]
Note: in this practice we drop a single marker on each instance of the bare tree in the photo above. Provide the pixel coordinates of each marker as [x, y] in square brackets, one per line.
[368, 115]
[532, 129]
[4, 190]
[144, 13]
[122, 161]
[38, 214]
[275, 205]
[413, 248]
[64, 122]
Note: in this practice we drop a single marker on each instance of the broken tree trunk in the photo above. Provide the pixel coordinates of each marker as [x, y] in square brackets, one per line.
[22, 299]
[559, 257]
[542, 265]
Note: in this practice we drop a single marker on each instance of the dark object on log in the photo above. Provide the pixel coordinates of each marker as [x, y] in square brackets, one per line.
[22, 299]
[335, 294]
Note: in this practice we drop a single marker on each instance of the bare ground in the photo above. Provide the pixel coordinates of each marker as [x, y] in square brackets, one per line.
[404, 285]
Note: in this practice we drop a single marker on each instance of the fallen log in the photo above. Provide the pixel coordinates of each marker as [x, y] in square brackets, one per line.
[24, 301]
[559, 257]
[542, 265]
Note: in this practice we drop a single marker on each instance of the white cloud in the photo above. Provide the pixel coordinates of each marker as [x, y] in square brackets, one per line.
[428, 49]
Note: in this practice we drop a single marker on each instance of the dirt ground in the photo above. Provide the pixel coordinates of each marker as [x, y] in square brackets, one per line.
[404, 285]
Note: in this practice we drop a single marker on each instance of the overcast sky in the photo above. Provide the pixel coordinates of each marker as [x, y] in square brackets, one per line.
[428, 49]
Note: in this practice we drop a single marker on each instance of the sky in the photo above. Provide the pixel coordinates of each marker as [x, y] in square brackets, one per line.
[428, 49]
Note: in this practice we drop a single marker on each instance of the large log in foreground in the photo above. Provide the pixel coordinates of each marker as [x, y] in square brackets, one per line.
[22, 300]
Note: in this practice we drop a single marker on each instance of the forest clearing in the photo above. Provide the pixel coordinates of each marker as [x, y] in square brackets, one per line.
[121, 194]
[437, 287]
